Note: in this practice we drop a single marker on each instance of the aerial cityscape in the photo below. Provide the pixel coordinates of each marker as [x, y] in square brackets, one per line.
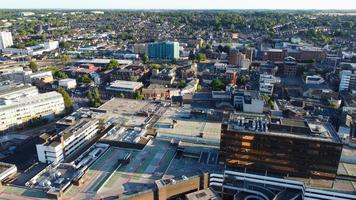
[177, 100]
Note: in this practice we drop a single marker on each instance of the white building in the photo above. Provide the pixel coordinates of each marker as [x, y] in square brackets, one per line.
[28, 76]
[315, 79]
[67, 83]
[56, 149]
[5, 40]
[267, 83]
[125, 87]
[33, 50]
[249, 101]
[24, 103]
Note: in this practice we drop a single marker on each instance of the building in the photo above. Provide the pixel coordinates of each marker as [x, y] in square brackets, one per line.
[314, 80]
[163, 50]
[274, 55]
[347, 80]
[5, 40]
[140, 48]
[157, 91]
[165, 76]
[129, 73]
[126, 88]
[28, 77]
[67, 83]
[19, 105]
[78, 129]
[248, 101]
[239, 59]
[267, 83]
[55, 150]
[289, 147]
[6, 172]
[241, 185]
[290, 66]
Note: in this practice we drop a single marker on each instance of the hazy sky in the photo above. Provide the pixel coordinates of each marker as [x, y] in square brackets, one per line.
[181, 4]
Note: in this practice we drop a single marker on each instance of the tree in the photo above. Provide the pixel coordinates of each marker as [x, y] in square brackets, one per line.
[241, 80]
[201, 57]
[112, 64]
[65, 59]
[199, 88]
[34, 66]
[94, 98]
[85, 79]
[145, 59]
[64, 45]
[68, 102]
[138, 96]
[60, 75]
[217, 84]
[155, 66]
[182, 84]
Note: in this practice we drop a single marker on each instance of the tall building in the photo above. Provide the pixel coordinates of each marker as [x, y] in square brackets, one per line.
[21, 104]
[347, 80]
[300, 148]
[5, 40]
[163, 50]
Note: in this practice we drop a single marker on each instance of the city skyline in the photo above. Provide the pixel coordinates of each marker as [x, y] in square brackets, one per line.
[183, 4]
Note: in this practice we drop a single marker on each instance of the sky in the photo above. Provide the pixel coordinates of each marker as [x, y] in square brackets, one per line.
[180, 4]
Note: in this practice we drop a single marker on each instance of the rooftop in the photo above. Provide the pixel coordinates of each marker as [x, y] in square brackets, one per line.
[311, 128]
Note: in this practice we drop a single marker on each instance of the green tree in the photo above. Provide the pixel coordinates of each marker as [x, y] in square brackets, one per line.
[60, 75]
[65, 59]
[241, 80]
[182, 84]
[64, 45]
[217, 84]
[145, 59]
[112, 64]
[201, 57]
[68, 102]
[155, 66]
[138, 96]
[94, 98]
[199, 88]
[85, 79]
[34, 66]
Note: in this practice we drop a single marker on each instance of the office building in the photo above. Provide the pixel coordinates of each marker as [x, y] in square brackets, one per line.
[163, 50]
[5, 40]
[19, 105]
[307, 148]
[347, 80]
[55, 150]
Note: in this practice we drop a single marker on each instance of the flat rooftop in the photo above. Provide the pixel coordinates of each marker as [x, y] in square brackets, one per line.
[132, 85]
[129, 112]
[187, 125]
[311, 128]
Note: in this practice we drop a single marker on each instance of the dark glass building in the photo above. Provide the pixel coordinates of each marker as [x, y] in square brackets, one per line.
[300, 148]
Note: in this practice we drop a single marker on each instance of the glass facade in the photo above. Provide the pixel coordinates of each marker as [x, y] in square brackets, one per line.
[280, 154]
